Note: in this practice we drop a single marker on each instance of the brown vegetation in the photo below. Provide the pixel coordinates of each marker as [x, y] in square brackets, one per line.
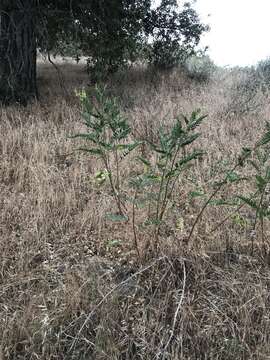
[71, 286]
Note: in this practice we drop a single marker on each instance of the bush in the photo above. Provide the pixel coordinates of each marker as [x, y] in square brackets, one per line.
[169, 157]
[263, 73]
[199, 68]
[166, 55]
[108, 134]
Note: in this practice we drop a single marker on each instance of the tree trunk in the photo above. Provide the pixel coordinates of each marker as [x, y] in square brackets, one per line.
[17, 51]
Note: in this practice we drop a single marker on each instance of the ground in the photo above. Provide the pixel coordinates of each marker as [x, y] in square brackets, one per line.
[72, 285]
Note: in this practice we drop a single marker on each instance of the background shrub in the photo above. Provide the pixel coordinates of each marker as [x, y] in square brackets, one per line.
[263, 73]
[199, 68]
[247, 91]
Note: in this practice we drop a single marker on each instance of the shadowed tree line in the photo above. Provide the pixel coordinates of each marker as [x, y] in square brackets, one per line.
[110, 33]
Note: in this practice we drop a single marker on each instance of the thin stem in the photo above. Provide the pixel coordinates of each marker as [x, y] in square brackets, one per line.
[165, 198]
[232, 213]
[256, 219]
[115, 194]
[161, 187]
[207, 203]
[159, 200]
[262, 234]
[134, 224]
[164, 203]
[226, 218]
[117, 171]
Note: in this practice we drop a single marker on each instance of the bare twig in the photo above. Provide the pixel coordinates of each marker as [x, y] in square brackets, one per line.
[60, 75]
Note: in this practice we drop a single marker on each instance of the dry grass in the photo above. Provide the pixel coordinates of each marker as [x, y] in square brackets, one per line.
[66, 293]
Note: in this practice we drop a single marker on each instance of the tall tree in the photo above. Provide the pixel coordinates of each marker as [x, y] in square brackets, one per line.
[176, 32]
[110, 32]
[17, 51]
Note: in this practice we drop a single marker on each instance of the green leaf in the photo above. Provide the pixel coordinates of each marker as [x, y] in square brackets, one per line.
[227, 202]
[143, 160]
[106, 146]
[246, 152]
[265, 139]
[239, 220]
[100, 177]
[156, 149]
[232, 176]
[249, 202]
[177, 130]
[186, 120]
[152, 221]
[93, 151]
[195, 155]
[253, 163]
[261, 183]
[161, 165]
[144, 180]
[136, 182]
[172, 173]
[113, 243]
[117, 217]
[128, 147]
[195, 194]
[267, 174]
[153, 178]
[195, 121]
[189, 140]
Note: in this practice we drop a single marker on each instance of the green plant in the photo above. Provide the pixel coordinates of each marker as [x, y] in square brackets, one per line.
[169, 157]
[108, 134]
[259, 199]
[154, 188]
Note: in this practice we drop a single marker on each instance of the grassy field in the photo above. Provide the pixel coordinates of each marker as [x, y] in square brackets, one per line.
[71, 284]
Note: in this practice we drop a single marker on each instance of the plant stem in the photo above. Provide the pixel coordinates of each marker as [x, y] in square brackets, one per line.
[208, 201]
[157, 227]
[165, 197]
[262, 234]
[134, 224]
[256, 219]
[164, 202]
[115, 193]
[226, 219]
[117, 171]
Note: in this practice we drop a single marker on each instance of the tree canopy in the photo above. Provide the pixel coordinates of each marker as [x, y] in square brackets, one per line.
[111, 33]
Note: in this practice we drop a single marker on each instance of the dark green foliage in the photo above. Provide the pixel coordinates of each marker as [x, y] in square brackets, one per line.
[153, 185]
[111, 33]
[114, 33]
[176, 33]
[108, 134]
[154, 188]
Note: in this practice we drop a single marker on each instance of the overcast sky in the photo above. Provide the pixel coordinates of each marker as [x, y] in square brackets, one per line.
[240, 30]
